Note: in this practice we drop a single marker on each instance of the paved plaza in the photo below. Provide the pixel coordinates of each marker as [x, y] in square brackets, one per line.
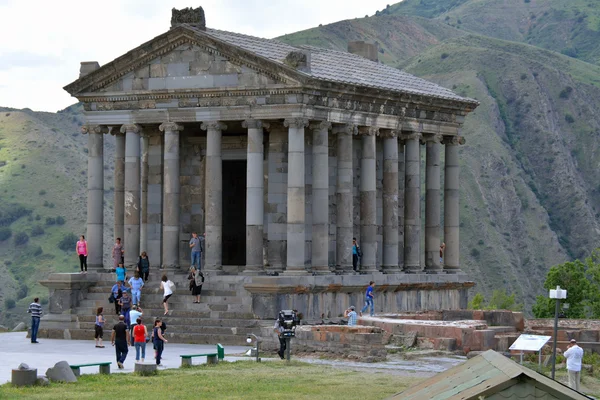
[15, 348]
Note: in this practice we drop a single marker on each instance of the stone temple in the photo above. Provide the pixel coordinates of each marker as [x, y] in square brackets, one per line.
[281, 154]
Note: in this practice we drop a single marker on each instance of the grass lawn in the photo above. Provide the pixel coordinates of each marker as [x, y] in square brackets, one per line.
[241, 379]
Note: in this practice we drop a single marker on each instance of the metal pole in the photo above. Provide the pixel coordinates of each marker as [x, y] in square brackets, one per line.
[287, 348]
[540, 361]
[555, 337]
[257, 350]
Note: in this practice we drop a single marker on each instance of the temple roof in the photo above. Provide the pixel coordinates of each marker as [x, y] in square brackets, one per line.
[338, 66]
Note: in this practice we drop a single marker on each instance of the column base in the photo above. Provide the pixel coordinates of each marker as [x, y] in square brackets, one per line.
[434, 271]
[453, 271]
[392, 270]
[320, 271]
[253, 271]
[413, 270]
[295, 272]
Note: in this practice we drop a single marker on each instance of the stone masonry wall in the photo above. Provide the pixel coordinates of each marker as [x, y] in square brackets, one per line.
[155, 173]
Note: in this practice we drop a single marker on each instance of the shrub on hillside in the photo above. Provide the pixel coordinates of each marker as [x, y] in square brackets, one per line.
[444, 56]
[37, 230]
[566, 92]
[22, 292]
[42, 192]
[38, 251]
[68, 242]
[50, 221]
[5, 233]
[569, 118]
[60, 220]
[9, 213]
[21, 239]
[9, 303]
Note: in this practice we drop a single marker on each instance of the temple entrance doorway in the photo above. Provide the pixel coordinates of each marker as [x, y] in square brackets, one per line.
[234, 212]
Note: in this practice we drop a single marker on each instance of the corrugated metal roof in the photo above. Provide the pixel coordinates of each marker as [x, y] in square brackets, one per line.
[338, 66]
[479, 375]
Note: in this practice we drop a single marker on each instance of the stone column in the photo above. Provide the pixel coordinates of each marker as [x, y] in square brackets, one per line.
[119, 183]
[412, 204]
[432, 204]
[214, 196]
[451, 204]
[95, 204]
[344, 201]
[131, 240]
[390, 202]
[144, 144]
[296, 197]
[255, 209]
[171, 190]
[368, 201]
[320, 197]
[401, 172]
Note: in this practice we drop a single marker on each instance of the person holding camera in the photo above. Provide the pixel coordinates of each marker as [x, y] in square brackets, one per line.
[278, 328]
[351, 315]
[574, 355]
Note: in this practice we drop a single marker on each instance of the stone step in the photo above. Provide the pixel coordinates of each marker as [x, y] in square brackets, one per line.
[174, 304]
[153, 298]
[172, 337]
[172, 327]
[158, 312]
[199, 321]
[105, 291]
[502, 329]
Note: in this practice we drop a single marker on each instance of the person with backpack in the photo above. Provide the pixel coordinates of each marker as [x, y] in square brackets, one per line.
[196, 278]
[99, 327]
[356, 254]
[117, 293]
[144, 266]
[196, 246]
[167, 286]
[158, 340]
[140, 333]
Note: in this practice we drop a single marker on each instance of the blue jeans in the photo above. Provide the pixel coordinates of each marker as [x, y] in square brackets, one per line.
[196, 259]
[368, 302]
[35, 325]
[138, 346]
[136, 296]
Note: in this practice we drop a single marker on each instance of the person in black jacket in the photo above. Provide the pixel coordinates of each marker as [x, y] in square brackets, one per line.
[144, 266]
[356, 254]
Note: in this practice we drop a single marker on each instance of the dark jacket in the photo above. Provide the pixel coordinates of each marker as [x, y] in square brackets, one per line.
[141, 267]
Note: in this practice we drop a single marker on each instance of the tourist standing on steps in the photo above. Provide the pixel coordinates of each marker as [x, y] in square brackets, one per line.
[99, 327]
[140, 333]
[158, 340]
[196, 246]
[120, 271]
[136, 284]
[121, 340]
[196, 278]
[574, 355]
[351, 315]
[117, 292]
[369, 299]
[278, 328]
[82, 252]
[144, 266]
[167, 286]
[125, 307]
[117, 253]
[356, 254]
[35, 309]
[135, 313]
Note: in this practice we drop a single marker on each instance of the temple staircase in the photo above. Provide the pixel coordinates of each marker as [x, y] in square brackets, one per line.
[222, 316]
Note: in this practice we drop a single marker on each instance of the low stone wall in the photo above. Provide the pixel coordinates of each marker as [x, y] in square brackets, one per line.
[586, 332]
[360, 343]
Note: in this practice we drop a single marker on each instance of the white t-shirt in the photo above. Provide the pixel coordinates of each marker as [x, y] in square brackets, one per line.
[167, 288]
[574, 355]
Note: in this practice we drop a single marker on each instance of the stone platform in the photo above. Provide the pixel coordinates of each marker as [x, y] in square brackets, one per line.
[233, 306]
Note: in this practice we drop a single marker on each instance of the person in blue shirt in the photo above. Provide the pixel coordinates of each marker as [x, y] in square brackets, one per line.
[120, 271]
[369, 299]
[356, 254]
[351, 315]
[136, 283]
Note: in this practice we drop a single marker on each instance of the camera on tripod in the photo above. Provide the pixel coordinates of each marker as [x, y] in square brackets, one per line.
[288, 320]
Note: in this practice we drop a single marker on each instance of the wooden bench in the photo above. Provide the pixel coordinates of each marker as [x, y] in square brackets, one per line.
[211, 358]
[104, 367]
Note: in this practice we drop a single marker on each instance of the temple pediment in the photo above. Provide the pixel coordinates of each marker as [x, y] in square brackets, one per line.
[184, 59]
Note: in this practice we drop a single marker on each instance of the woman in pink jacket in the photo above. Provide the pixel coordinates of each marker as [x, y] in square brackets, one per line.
[82, 252]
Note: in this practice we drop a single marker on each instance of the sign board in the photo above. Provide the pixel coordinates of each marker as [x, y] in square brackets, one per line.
[530, 342]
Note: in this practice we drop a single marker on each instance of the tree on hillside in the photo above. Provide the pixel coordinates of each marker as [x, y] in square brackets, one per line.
[580, 279]
[500, 300]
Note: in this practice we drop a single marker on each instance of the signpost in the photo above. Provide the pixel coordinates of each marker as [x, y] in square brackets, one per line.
[530, 343]
[557, 294]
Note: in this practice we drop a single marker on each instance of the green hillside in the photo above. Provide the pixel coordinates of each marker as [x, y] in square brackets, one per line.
[43, 181]
[571, 27]
[529, 177]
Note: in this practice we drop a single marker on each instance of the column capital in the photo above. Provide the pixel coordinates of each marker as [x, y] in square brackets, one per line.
[170, 126]
[114, 130]
[346, 129]
[218, 125]
[319, 125]
[255, 124]
[454, 140]
[389, 133]
[135, 128]
[410, 136]
[368, 130]
[434, 138]
[94, 129]
[296, 123]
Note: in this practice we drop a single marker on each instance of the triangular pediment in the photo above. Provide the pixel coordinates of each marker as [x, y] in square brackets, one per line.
[184, 59]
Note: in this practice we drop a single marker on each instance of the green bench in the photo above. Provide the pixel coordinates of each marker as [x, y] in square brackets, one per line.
[104, 367]
[211, 358]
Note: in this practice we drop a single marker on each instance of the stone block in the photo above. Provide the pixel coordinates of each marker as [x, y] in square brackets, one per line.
[157, 84]
[178, 69]
[42, 381]
[61, 372]
[144, 369]
[24, 377]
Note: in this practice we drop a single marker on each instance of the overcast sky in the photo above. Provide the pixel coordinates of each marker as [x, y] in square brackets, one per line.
[43, 41]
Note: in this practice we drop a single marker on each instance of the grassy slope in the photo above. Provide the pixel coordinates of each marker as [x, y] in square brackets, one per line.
[572, 26]
[43, 152]
[242, 379]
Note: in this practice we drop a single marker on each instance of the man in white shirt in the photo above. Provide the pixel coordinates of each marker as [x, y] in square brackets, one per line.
[574, 355]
